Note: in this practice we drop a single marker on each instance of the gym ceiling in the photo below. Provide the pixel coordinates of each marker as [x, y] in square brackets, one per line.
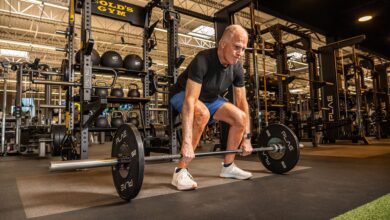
[26, 24]
[339, 19]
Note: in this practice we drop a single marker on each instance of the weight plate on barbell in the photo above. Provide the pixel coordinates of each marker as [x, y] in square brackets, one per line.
[279, 162]
[128, 177]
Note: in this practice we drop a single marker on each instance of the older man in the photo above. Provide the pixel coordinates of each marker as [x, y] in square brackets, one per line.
[197, 96]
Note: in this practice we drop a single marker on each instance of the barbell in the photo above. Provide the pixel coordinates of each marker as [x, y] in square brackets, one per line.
[278, 152]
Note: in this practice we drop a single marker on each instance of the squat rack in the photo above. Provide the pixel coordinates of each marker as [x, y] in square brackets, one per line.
[140, 18]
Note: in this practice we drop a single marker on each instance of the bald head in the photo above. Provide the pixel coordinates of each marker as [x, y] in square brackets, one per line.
[233, 30]
[232, 44]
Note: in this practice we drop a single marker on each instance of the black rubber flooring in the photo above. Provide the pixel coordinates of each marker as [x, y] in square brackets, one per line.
[332, 186]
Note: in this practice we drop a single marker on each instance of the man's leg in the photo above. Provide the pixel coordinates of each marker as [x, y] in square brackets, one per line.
[201, 117]
[236, 118]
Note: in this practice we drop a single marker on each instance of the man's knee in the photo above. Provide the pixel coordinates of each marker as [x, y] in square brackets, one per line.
[240, 119]
[201, 115]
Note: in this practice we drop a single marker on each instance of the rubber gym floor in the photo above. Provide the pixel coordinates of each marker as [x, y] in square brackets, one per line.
[328, 181]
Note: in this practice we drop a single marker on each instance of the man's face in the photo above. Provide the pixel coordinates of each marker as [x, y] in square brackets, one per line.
[234, 49]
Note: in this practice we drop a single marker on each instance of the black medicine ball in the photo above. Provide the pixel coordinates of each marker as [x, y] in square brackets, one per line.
[133, 62]
[111, 59]
[95, 57]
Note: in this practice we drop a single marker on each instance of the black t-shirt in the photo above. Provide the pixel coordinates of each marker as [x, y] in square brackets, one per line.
[206, 69]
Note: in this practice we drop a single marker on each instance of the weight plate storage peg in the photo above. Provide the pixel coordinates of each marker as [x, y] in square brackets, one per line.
[280, 135]
[128, 173]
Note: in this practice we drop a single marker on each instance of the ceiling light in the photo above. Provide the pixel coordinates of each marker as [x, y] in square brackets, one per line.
[28, 44]
[13, 53]
[365, 18]
[295, 55]
[47, 4]
[203, 32]
[296, 91]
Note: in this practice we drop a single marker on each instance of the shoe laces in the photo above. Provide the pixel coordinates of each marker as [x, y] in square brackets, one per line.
[236, 169]
[188, 175]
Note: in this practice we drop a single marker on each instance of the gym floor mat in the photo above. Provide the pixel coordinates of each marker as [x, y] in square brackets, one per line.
[68, 191]
[346, 151]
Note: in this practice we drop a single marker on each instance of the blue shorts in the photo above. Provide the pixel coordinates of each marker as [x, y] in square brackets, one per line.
[178, 99]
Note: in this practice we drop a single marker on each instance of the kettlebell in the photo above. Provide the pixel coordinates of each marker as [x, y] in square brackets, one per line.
[117, 119]
[117, 91]
[133, 90]
[101, 122]
[101, 92]
[133, 119]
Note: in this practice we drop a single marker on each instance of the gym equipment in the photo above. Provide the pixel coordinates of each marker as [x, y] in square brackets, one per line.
[127, 162]
[101, 91]
[55, 111]
[133, 62]
[133, 92]
[133, 119]
[102, 122]
[282, 161]
[292, 78]
[111, 59]
[65, 70]
[158, 130]
[117, 91]
[57, 134]
[117, 119]
[95, 56]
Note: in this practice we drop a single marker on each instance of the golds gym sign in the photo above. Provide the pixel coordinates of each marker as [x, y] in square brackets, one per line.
[119, 11]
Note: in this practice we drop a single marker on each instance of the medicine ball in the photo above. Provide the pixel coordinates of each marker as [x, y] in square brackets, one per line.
[111, 59]
[133, 62]
[95, 56]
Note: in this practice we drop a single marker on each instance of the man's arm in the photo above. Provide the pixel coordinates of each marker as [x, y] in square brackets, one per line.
[241, 102]
[191, 96]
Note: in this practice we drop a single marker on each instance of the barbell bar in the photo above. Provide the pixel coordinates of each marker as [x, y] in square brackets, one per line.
[76, 165]
[278, 151]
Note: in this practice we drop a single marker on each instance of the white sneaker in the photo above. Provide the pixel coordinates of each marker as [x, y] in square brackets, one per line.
[234, 172]
[183, 180]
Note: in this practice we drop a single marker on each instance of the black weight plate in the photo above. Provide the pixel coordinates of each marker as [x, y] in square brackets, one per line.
[279, 162]
[65, 70]
[57, 133]
[128, 178]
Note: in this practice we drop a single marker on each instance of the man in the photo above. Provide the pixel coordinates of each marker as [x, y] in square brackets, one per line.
[197, 96]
